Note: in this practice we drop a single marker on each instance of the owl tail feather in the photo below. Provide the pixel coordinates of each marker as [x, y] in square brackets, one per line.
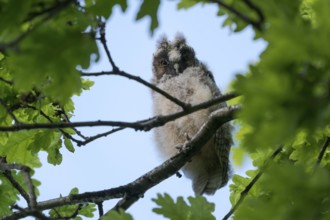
[204, 185]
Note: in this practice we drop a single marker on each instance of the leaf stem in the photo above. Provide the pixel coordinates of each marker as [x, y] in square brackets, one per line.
[245, 192]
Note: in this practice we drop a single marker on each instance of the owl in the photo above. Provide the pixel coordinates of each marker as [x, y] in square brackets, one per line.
[177, 71]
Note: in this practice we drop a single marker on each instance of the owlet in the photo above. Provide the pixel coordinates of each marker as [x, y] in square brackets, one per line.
[177, 71]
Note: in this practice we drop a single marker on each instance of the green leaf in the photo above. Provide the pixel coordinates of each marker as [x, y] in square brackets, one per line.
[56, 75]
[294, 193]
[149, 8]
[87, 84]
[12, 14]
[68, 144]
[49, 141]
[185, 4]
[304, 143]
[9, 196]
[54, 155]
[104, 7]
[238, 155]
[16, 149]
[74, 191]
[199, 208]
[86, 210]
[237, 187]
[117, 215]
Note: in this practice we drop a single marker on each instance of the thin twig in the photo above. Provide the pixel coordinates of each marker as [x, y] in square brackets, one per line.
[31, 212]
[322, 151]
[144, 125]
[65, 134]
[100, 208]
[3, 103]
[257, 10]
[93, 138]
[143, 82]
[244, 17]
[73, 215]
[125, 203]
[104, 43]
[245, 192]
[6, 81]
[68, 120]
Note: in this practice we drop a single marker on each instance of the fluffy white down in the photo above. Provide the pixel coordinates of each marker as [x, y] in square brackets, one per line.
[189, 88]
[174, 56]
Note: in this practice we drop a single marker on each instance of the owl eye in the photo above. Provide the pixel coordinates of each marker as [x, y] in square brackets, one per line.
[164, 62]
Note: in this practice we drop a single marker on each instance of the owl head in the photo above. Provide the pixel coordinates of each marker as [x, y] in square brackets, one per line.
[173, 58]
[182, 55]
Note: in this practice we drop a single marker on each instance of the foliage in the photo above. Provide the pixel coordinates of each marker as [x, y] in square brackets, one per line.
[149, 8]
[73, 210]
[287, 91]
[286, 102]
[118, 215]
[199, 208]
[285, 99]
[303, 196]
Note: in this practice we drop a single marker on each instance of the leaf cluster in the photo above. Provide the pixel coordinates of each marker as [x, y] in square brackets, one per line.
[288, 90]
[199, 208]
[286, 102]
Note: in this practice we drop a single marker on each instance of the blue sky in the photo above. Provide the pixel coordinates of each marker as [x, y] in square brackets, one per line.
[124, 156]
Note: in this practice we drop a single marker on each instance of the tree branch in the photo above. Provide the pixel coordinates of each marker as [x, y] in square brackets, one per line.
[245, 192]
[31, 197]
[32, 212]
[131, 192]
[144, 125]
[15, 184]
[143, 82]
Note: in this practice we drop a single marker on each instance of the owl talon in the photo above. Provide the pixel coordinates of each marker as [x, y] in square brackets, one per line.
[188, 138]
[178, 174]
[179, 147]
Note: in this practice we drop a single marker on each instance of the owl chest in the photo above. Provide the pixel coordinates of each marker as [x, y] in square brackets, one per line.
[188, 90]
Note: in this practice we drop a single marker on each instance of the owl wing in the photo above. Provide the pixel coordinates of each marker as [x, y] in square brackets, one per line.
[222, 138]
[223, 142]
